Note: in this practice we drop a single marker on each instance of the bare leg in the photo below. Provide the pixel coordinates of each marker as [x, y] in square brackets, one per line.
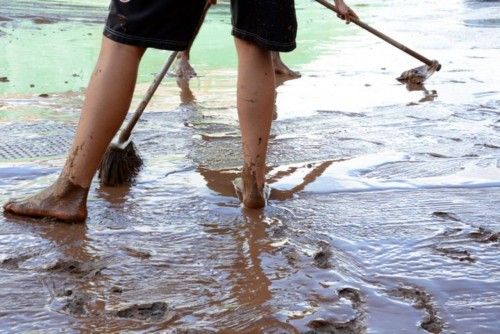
[255, 94]
[184, 68]
[107, 101]
[281, 68]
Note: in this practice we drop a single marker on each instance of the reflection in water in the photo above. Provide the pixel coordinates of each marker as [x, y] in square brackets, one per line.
[70, 239]
[186, 94]
[310, 177]
[114, 195]
[221, 181]
[414, 256]
[429, 95]
[251, 286]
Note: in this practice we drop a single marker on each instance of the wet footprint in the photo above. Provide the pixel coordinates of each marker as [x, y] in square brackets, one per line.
[446, 215]
[322, 258]
[152, 312]
[291, 255]
[80, 269]
[137, 253]
[356, 325]
[461, 255]
[484, 235]
[451, 240]
[76, 303]
[70, 300]
[421, 300]
[13, 261]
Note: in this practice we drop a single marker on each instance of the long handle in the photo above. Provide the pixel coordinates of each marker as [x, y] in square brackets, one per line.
[127, 131]
[386, 38]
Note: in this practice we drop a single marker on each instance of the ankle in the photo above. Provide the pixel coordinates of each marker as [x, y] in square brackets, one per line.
[63, 188]
[251, 178]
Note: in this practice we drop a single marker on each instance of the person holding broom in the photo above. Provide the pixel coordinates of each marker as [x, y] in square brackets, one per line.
[259, 27]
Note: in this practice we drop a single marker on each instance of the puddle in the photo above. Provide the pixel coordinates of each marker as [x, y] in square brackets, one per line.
[384, 208]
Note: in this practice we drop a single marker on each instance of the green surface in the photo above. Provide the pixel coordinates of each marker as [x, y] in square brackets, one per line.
[59, 56]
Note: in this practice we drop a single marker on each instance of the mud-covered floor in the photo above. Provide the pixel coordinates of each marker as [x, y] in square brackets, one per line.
[385, 210]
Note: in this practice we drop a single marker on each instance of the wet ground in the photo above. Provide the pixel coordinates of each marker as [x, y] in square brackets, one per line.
[385, 209]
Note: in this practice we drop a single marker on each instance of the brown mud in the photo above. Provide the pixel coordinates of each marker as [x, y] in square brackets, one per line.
[152, 312]
[383, 214]
[322, 259]
[421, 300]
[355, 325]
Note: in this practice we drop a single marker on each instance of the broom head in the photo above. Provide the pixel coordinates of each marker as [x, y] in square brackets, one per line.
[419, 74]
[120, 165]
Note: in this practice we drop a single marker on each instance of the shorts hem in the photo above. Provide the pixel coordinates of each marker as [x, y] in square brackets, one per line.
[262, 42]
[144, 41]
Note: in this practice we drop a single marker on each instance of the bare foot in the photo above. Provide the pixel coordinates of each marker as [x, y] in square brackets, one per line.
[63, 201]
[249, 193]
[281, 69]
[184, 69]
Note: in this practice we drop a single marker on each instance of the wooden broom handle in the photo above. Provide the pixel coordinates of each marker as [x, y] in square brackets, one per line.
[386, 38]
[125, 133]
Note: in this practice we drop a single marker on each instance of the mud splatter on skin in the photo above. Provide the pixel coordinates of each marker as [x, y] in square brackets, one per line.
[248, 191]
[421, 300]
[70, 162]
[246, 99]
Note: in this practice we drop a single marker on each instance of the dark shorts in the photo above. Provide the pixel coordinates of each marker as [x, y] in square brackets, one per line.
[171, 24]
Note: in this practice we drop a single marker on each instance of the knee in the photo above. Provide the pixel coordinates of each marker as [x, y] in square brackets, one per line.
[250, 49]
[124, 49]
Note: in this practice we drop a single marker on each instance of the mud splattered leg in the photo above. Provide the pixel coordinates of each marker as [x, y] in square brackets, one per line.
[255, 94]
[107, 101]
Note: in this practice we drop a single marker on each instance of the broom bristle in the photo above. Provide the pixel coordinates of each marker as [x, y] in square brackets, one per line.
[119, 166]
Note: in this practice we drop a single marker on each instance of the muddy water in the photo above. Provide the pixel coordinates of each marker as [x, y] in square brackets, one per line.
[385, 210]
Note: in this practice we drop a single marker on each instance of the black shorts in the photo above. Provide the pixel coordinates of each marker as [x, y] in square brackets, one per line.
[171, 24]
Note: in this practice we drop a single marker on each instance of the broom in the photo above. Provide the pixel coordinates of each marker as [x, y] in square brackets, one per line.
[121, 162]
[416, 75]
